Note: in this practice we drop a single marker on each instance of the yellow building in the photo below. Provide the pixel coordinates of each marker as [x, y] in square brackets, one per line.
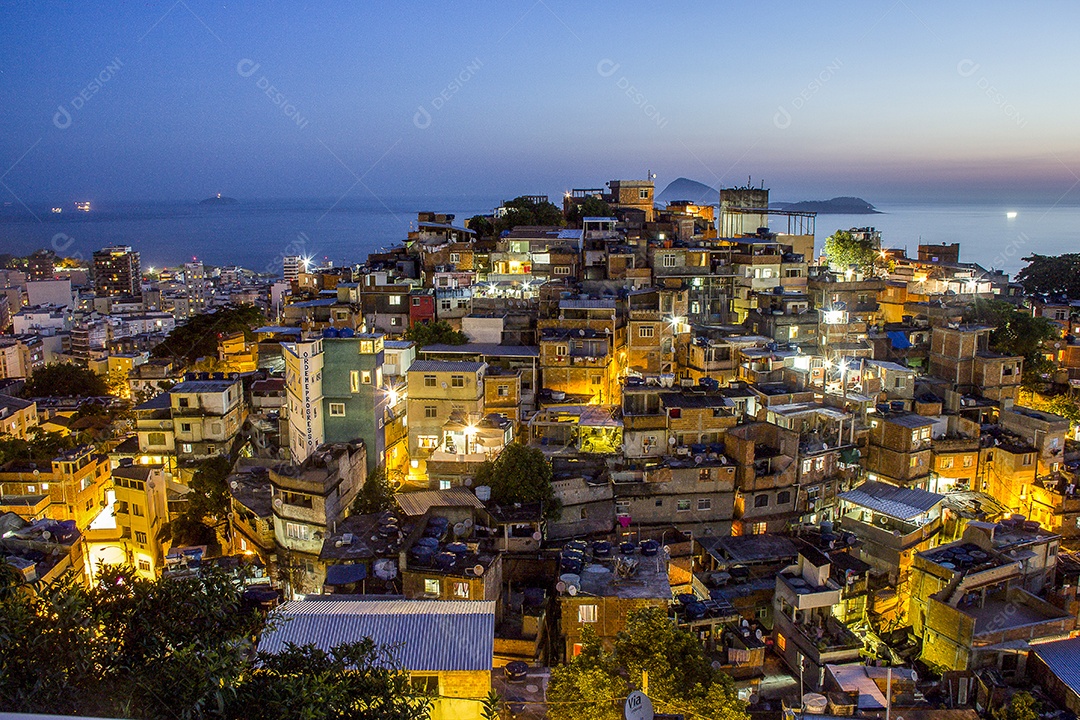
[72, 487]
[18, 417]
[126, 529]
[236, 354]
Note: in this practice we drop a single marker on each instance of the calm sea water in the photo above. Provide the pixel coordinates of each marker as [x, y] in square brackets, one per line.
[256, 234]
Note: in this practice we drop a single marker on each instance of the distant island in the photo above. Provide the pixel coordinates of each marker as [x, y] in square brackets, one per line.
[836, 206]
[218, 199]
[686, 189]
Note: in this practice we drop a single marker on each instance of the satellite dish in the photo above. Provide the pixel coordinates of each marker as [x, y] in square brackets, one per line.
[758, 635]
[233, 484]
[581, 333]
[444, 386]
[537, 536]
[698, 459]
[478, 570]
[914, 676]
[560, 586]
[278, 503]
[468, 522]
[572, 590]
[468, 482]
[46, 535]
[671, 440]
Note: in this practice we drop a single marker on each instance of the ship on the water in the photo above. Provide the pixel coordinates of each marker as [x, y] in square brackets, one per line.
[83, 206]
[218, 199]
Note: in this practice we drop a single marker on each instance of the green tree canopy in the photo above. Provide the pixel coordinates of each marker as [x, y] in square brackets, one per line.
[1021, 706]
[1051, 274]
[481, 225]
[844, 250]
[64, 380]
[680, 676]
[198, 337]
[207, 504]
[523, 211]
[41, 448]
[435, 333]
[177, 648]
[591, 206]
[376, 494]
[1017, 333]
[520, 474]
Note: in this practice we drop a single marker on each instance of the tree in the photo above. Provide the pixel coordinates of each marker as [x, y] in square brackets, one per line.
[198, 337]
[1051, 275]
[435, 333]
[844, 250]
[520, 474]
[207, 504]
[591, 206]
[178, 648]
[481, 225]
[376, 494]
[523, 211]
[680, 675]
[64, 380]
[41, 448]
[1017, 333]
[1021, 706]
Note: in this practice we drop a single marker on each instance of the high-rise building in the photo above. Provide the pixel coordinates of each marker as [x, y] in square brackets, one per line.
[291, 265]
[41, 265]
[117, 271]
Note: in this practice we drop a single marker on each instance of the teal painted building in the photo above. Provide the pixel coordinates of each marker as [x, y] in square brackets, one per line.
[354, 398]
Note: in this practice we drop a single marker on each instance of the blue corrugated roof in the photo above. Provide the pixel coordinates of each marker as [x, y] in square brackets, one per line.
[424, 635]
[899, 340]
[896, 502]
[1063, 659]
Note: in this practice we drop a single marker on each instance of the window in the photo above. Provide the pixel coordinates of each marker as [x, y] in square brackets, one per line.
[416, 302]
[660, 502]
[183, 402]
[461, 590]
[395, 299]
[643, 194]
[819, 464]
[682, 506]
[455, 257]
[758, 528]
[561, 270]
[144, 566]
[428, 442]
[596, 380]
[622, 507]
[365, 377]
[354, 381]
[586, 613]
[781, 642]
[185, 447]
[155, 438]
[668, 261]
[431, 411]
[429, 381]
[337, 409]
[185, 427]
[395, 321]
[295, 531]
[806, 465]
[136, 510]
[561, 350]
[1027, 459]
[645, 331]
[431, 586]
[457, 381]
[503, 391]
[704, 475]
[462, 304]
[946, 463]
[783, 497]
[968, 461]
[140, 537]
[704, 504]
[914, 461]
[761, 501]
[425, 684]
[444, 304]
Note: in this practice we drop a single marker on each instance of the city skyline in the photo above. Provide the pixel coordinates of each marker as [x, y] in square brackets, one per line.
[889, 101]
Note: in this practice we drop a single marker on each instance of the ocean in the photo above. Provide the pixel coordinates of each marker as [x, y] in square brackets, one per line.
[257, 233]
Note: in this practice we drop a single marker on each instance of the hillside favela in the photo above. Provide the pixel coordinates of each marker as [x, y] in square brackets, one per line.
[529, 463]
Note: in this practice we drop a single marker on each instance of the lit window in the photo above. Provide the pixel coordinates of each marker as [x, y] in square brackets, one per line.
[461, 590]
[683, 506]
[561, 270]
[354, 381]
[365, 377]
[758, 528]
[586, 613]
[781, 642]
[431, 586]
[668, 261]
[645, 331]
[807, 465]
[337, 409]
[395, 299]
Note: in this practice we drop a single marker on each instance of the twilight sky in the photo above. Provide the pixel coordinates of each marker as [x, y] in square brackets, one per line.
[895, 100]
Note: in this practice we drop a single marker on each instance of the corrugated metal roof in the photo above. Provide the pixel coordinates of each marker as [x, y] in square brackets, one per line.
[445, 366]
[593, 304]
[423, 635]
[1063, 659]
[896, 502]
[419, 502]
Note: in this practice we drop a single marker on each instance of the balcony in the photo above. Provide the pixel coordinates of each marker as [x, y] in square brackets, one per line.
[889, 532]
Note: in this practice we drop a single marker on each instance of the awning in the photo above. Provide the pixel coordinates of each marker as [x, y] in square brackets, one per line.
[899, 340]
[345, 574]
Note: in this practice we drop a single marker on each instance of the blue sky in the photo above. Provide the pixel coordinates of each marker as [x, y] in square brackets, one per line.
[892, 101]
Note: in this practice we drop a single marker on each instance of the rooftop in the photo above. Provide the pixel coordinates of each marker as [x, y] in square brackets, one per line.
[444, 366]
[419, 502]
[422, 635]
[895, 502]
